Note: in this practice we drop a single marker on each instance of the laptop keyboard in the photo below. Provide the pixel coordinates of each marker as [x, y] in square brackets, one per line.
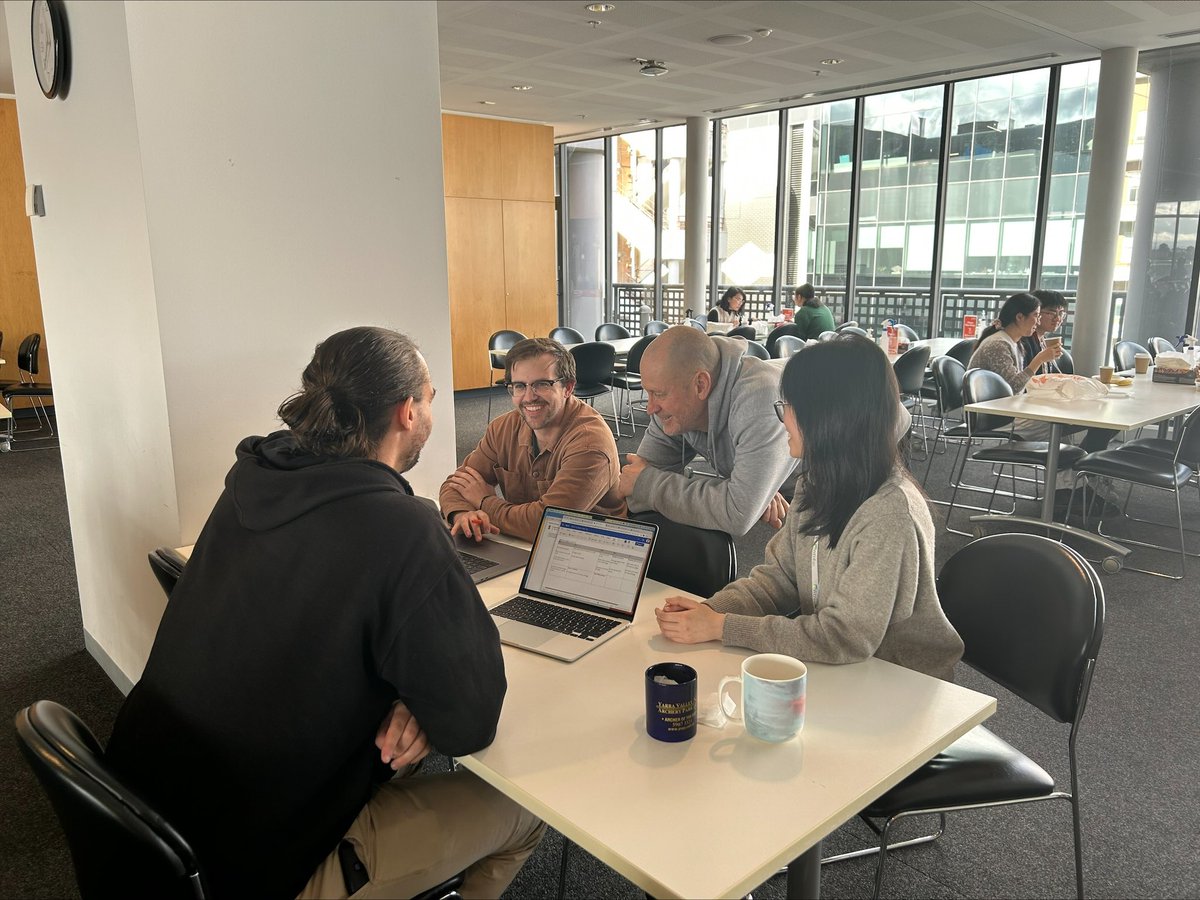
[473, 563]
[555, 618]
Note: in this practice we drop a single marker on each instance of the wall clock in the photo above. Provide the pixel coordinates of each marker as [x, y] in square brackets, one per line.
[51, 50]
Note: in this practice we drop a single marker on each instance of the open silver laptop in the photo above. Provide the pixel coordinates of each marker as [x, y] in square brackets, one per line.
[581, 586]
[483, 559]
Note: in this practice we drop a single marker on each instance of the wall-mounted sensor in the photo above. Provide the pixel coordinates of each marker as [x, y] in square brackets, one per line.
[34, 204]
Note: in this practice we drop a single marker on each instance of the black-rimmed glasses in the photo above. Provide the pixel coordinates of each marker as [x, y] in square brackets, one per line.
[780, 406]
[540, 386]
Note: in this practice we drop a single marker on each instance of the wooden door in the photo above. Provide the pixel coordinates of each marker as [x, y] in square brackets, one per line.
[475, 259]
[530, 282]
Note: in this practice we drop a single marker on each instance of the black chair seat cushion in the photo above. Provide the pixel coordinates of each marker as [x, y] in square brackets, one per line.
[1031, 453]
[1140, 468]
[28, 390]
[1153, 446]
[588, 391]
[626, 382]
[977, 768]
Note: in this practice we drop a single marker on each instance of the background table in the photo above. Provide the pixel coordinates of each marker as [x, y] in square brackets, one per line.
[718, 815]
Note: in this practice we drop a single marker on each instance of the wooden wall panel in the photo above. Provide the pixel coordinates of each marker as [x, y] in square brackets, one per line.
[471, 157]
[530, 277]
[527, 152]
[20, 301]
[475, 259]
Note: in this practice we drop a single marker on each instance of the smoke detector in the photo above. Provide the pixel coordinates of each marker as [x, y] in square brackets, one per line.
[651, 68]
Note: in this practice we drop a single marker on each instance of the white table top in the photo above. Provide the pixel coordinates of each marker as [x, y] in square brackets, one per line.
[717, 815]
[5, 412]
[1142, 403]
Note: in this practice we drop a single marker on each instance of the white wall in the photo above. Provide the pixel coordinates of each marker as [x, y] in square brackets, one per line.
[226, 184]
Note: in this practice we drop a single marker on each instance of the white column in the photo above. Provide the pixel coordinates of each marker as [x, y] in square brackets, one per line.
[1114, 104]
[696, 208]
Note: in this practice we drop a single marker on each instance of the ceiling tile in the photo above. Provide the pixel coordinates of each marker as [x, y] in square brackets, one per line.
[1072, 16]
[900, 45]
[983, 30]
[805, 20]
[898, 10]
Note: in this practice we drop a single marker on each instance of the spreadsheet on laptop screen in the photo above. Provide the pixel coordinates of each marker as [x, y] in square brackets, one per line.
[596, 561]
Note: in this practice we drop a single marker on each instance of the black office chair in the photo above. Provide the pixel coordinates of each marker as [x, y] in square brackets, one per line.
[1030, 612]
[745, 331]
[566, 335]
[852, 329]
[962, 351]
[827, 335]
[845, 325]
[947, 373]
[700, 561]
[28, 387]
[904, 332]
[500, 340]
[1160, 345]
[593, 372]
[1143, 466]
[699, 324]
[655, 326]
[790, 329]
[754, 348]
[167, 566]
[119, 845]
[629, 378]
[611, 331]
[910, 375]
[1124, 353]
[788, 345]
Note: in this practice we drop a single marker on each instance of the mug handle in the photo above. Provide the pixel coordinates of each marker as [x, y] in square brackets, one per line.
[725, 682]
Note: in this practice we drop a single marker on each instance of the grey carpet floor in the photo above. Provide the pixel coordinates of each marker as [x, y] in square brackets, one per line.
[1139, 748]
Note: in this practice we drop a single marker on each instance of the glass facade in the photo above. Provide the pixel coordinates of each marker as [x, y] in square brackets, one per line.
[925, 205]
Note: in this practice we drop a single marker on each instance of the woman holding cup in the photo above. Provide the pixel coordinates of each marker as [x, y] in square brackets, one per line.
[851, 573]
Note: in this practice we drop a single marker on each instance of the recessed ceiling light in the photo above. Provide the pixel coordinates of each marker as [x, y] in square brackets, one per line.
[730, 40]
[600, 7]
[764, 32]
[488, 102]
[652, 68]
[522, 87]
[832, 61]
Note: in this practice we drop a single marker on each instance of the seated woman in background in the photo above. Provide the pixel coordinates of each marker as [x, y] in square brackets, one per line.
[729, 308]
[851, 573]
[812, 316]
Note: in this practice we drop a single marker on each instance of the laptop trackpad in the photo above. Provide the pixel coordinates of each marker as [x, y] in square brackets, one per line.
[523, 634]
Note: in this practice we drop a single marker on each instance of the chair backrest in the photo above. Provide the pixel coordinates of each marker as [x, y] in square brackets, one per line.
[980, 385]
[906, 333]
[655, 326]
[963, 350]
[845, 325]
[754, 348]
[1159, 345]
[827, 335]
[593, 363]
[566, 335]
[852, 329]
[910, 369]
[948, 376]
[787, 345]
[28, 353]
[611, 331]
[697, 323]
[1066, 363]
[119, 845]
[502, 340]
[167, 566]
[697, 560]
[745, 331]
[1124, 352]
[1188, 450]
[633, 361]
[1030, 612]
[775, 334]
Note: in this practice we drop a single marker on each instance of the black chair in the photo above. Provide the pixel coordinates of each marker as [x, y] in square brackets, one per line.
[1030, 612]
[593, 372]
[567, 336]
[1160, 345]
[500, 340]
[845, 325]
[827, 335]
[1124, 353]
[167, 566]
[699, 324]
[910, 375]
[962, 351]
[28, 387]
[790, 329]
[852, 329]
[754, 348]
[1149, 469]
[787, 346]
[655, 326]
[611, 331]
[700, 561]
[979, 386]
[904, 332]
[630, 378]
[119, 845]
[1066, 363]
[947, 373]
[745, 331]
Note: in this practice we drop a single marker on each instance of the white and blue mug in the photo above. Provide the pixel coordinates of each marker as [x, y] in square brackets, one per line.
[773, 696]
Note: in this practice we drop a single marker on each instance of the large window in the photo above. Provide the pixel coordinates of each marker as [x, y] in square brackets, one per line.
[749, 175]
[633, 213]
[584, 240]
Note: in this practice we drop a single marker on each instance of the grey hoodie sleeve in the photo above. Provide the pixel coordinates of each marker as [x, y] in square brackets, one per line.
[662, 451]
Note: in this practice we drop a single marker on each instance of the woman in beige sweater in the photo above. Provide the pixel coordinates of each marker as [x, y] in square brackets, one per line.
[851, 574]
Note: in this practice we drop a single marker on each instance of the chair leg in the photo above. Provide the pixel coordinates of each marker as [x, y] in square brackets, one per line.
[562, 868]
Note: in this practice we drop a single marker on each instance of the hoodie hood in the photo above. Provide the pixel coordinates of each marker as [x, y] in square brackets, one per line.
[275, 481]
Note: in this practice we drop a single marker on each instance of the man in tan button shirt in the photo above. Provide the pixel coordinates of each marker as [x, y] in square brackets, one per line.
[552, 449]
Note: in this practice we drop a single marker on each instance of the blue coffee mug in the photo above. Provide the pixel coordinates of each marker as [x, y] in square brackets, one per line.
[671, 702]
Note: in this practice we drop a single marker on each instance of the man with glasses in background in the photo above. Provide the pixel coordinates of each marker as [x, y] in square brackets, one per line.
[552, 449]
[1053, 315]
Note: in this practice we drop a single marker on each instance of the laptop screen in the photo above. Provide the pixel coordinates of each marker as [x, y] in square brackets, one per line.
[589, 558]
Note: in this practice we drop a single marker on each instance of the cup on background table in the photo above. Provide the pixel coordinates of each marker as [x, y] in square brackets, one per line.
[773, 696]
[1141, 363]
[671, 702]
[788, 314]
[1106, 374]
[1053, 340]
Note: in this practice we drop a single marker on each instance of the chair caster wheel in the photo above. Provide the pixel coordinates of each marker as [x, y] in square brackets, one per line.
[1111, 565]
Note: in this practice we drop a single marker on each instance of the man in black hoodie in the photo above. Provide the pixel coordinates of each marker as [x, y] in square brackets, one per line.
[323, 637]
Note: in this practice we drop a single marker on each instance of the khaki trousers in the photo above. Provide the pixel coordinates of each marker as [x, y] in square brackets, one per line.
[417, 832]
